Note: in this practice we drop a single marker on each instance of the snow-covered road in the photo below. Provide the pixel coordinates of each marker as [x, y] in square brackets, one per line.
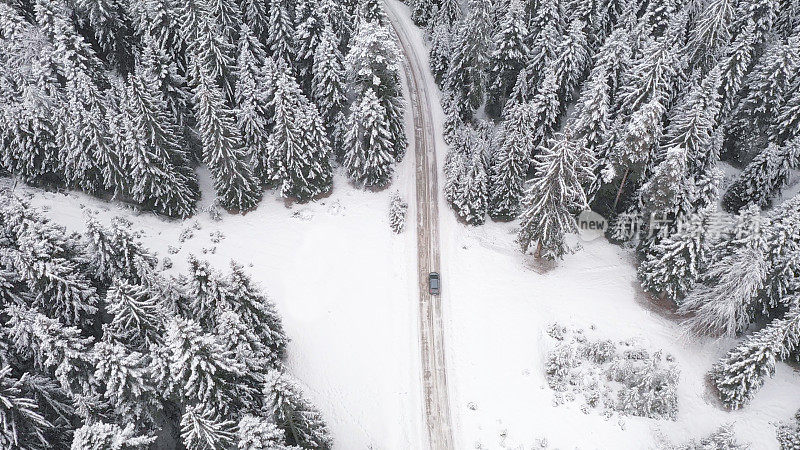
[434, 372]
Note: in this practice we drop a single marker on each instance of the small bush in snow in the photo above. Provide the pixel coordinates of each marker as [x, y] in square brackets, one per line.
[789, 433]
[397, 213]
[628, 380]
[721, 439]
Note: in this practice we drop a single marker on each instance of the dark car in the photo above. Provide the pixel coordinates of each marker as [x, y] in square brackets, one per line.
[434, 283]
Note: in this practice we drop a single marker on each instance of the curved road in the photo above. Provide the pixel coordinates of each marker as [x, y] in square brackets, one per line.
[437, 402]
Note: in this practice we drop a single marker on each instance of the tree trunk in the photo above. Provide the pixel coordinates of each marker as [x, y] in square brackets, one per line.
[538, 253]
[621, 187]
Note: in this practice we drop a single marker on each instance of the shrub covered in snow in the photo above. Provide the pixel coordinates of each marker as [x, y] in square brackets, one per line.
[789, 433]
[613, 377]
[397, 213]
[721, 439]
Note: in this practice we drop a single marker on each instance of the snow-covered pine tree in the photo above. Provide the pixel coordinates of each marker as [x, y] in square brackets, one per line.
[475, 188]
[116, 252]
[55, 349]
[510, 162]
[553, 197]
[202, 428]
[301, 422]
[743, 371]
[328, 87]
[466, 77]
[787, 124]
[423, 11]
[281, 32]
[298, 148]
[237, 189]
[767, 86]
[368, 155]
[254, 83]
[228, 14]
[397, 213]
[546, 29]
[734, 67]
[104, 436]
[256, 310]
[370, 11]
[653, 75]
[788, 433]
[508, 56]
[23, 423]
[51, 262]
[244, 345]
[570, 60]
[711, 31]
[137, 316]
[546, 107]
[310, 27]
[673, 265]
[255, 16]
[202, 371]
[440, 52]
[668, 192]
[160, 176]
[723, 303]
[592, 119]
[373, 62]
[210, 54]
[207, 293]
[692, 126]
[449, 11]
[127, 384]
[258, 433]
[763, 178]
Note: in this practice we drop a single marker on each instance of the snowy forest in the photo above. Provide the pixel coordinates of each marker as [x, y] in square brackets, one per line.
[101, 349]
[631, 108]
[124, 99]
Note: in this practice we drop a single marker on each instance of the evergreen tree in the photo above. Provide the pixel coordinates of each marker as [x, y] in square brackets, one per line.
[201, 370]
[258, 312]
[733, 70]
[449, 11]
[422, 11]
[508, 55]
[787, 125]
[310, 28]
[301, 422]
[237, 188]
[137, 317]
[208, 293]
[129, 388]
[673, 265]
[760, 181]
[440, 52]
[256, 433]
[298, 148]
[570, 61]
[161, 178]
[210, 54]
[510, 162]
[692, 126]
[466, 77]
[744, 369]
[23, 425]
[711, 31]
[281, 32]
[368, 150]
[553, 196]
[668, 192]
[592, 121]
[255, 14]
[373, 62]
[50, 262]
[723, 303]
[767, 87]
[203, 429]
[116, 252]
[652, 76]
[328, 87]
[475, 190]
[103, 436]
[254, 82]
